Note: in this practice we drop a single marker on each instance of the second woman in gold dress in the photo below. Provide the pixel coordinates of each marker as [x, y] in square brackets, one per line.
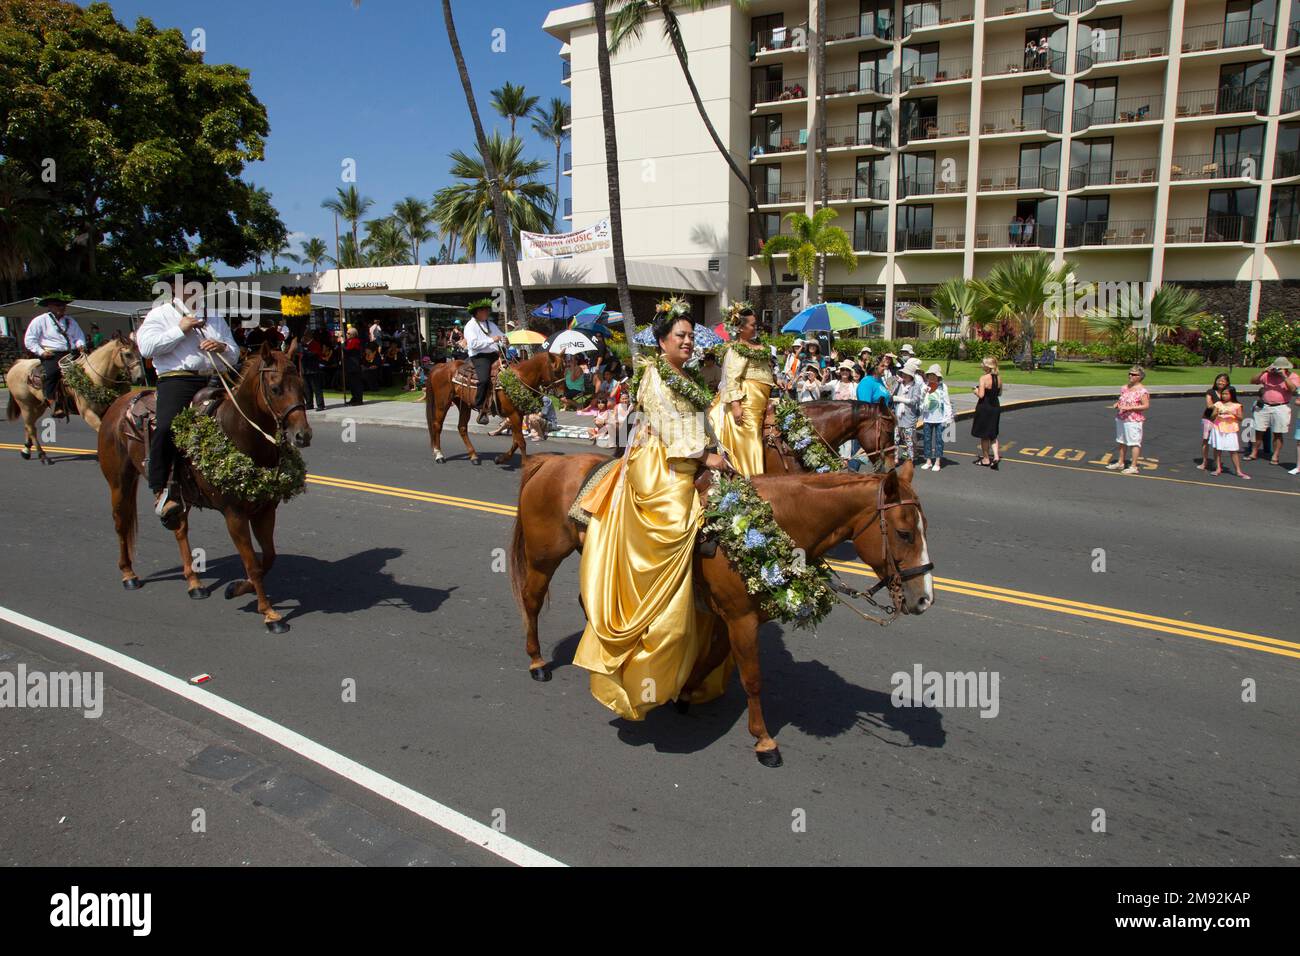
[747, 383]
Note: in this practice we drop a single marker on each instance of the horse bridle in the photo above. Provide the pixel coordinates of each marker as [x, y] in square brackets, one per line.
[895, 573]
[282, 421]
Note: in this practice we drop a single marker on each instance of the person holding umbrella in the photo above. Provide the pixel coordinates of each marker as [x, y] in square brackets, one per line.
[747, 382]
[483, 339]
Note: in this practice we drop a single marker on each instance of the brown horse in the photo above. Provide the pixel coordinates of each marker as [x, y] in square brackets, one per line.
[268, 400]
[538, 374]
[836, 422]
[115, 363]
[878, 513]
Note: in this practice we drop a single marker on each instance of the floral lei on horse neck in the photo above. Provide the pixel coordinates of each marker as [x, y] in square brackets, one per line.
[524, 399]
[793, 590]
[100, 396]
[691, 388]
[231, 472]
[799, 433]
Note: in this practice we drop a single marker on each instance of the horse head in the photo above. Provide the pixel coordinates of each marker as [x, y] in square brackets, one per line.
[127, 357]
[279, 391]
[890, 537]
[873, 427]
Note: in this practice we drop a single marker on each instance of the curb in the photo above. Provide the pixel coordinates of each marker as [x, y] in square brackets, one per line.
[1070, 399]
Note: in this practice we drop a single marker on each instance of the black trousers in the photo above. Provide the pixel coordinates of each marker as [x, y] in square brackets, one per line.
[174, 394]
[313, 389]
[50, 375]
[483, 368]
[355, 381]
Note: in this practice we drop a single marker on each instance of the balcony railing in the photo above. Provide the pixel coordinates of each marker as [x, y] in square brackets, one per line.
[934, 127]
[921, 15]
[1010, 178]
[936, 237]
[1116, 172]
[866, 25]
[1210, 229]
[844, 188]
[1127, 109]
[777, 91]
[566, 70]
[1014, 235]
[1005, 62]
[870, 240]
[781, 38]
[1252, 99]
[1241, 166]
[1066, 7]
[1135, 46]
[1123, 232]
[864, 80]
[870, 188]
[1008, 8]
[1015, 121]
[1284, 229]
[1286, 164]
[922, 74]
[769, 195]
[1224, 35]
[862, 134]
[780, 141]
[929, 186]
[1290, 99]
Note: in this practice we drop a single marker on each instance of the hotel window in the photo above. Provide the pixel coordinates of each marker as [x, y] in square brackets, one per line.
[1040, 107]
[872, 181]
[1244, 20]
[767, 183]
[1284, 214]
[1057, 37]
[917, 15]
[870, 226]
[761, 30]
[765, 83]
[920, 64]
[916, 174]
[876, 70]
[1038, 223]
[1243, 87]
[1287, 161]
[1098, 42]
[875, 127]
[918, 116]
[876, 19]
[1086, 220]
[1095, 103]
[915, 228]
[1230, 215]
[765, 133]
[1090, 162]
[1039, 164]
[1235, 144]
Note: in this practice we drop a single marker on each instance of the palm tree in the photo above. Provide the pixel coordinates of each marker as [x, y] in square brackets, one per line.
[385, 243]
[1025, 289]
[511, 264]
[1171, 309]
[350, 206]
[627, 25]
[414, 216]
[550, 124]
[513, 103]
[24, 226]
[285, 251]
[813, 239]
[314, 252]
[466, 207]
[953, 303]
[350, 256]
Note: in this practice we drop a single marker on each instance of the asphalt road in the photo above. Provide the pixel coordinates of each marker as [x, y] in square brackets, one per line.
[396, 590]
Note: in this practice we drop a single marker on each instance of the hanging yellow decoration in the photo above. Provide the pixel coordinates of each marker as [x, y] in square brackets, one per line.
[295, 303]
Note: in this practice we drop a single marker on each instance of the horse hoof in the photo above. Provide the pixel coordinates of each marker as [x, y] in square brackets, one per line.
[439, 460]
[198, 594]
[132, 584]
[681, 705]
[26, 453]
[540, 674]
[769, 758]
[475, 461]
[231, 591]
[277, 627]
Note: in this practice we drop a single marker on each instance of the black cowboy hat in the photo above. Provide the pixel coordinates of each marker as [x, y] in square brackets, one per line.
[187, 269]
[53, 297]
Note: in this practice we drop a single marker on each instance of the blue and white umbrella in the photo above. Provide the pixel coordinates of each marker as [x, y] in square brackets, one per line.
[565, 307]
[705, 337]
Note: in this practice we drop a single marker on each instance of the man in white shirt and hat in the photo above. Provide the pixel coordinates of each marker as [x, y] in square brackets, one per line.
[483, 340]
[51, 336]
[186, 351]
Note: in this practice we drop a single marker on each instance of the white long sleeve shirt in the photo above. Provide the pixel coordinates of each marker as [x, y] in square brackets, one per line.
[47, 332]
[478, 337]
[160, 338]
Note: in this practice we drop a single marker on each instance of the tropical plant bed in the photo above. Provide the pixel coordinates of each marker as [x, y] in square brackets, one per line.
[1111, 374]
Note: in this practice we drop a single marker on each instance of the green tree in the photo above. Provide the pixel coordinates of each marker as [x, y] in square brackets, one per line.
[25, 224]
[1130, 317]
[414, 217]
[952, 305]
[513, 103]
[266, 232]
[146, 141]
[813, 239]
[551, 125]
[350, 206]
[386, 243]
[1025, 290]
[314, 252]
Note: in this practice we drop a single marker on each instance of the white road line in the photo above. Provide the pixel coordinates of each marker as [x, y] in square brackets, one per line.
[445, 817]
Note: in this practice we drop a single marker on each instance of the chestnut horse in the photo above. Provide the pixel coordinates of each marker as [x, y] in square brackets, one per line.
[268, 400]
[878, 513]
[538, 374]
[836, 422]
[114, 363]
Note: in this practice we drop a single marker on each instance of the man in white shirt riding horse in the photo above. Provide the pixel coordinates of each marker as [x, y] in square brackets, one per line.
[187, 350]
[51, 336]
[484, 341]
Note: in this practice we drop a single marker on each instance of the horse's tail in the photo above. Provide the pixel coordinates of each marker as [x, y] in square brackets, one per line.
[518, 554]
[14, 410]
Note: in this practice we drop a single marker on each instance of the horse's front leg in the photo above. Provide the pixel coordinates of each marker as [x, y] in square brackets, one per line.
[264, 528]
[192, 582]
[517, 440]
[743, 634]
[238, 526]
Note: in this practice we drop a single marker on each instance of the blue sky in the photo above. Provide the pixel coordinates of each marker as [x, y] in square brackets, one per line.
[377, 84]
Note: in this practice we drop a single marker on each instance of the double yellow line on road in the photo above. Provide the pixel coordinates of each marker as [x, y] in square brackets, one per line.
[1097, 612]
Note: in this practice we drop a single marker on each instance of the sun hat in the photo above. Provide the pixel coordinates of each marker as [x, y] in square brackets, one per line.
[934, 370]
[867, 349]
[912, 365]
[1281, 362]
[797, 342]
[846, 367]
[907, 347]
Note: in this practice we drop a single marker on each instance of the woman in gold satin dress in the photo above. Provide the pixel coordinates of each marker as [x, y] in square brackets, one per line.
[747, 383]
[644, 631]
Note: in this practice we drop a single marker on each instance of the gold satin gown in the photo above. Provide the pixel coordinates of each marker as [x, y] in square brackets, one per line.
[750, 382]
[644, 631]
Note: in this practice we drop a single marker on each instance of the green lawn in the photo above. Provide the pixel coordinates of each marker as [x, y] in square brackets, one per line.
[1096, 374]
[393, 393]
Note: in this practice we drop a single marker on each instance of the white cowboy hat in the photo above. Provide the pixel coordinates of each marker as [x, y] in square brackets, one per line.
[1281, 362]
[933, 370]
[907, 347]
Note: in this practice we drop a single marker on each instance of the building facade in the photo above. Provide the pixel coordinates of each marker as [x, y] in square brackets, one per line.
[1142, 141]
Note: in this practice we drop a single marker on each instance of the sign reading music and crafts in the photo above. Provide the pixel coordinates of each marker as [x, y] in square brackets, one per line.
[541, 245]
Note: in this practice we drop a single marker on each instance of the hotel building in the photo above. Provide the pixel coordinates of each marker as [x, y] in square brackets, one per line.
[1140, 140]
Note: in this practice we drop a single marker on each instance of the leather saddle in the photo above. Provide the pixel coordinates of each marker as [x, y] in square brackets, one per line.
[466, 379]
[142, 412]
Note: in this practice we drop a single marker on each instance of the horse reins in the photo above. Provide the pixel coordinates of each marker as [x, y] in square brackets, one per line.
[281, 421]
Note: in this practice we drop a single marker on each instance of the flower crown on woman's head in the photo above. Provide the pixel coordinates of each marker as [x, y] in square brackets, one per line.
[674, 305]
[734, 310]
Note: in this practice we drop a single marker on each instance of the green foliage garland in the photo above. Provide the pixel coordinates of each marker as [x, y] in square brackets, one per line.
[759, 354]
[98, 396]
[691, 388]
[520, 395]
[792, 591]
[800, 435]
[231, 472]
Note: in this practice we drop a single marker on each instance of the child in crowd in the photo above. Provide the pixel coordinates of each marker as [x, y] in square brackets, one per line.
[1227, 424]
[935, 413]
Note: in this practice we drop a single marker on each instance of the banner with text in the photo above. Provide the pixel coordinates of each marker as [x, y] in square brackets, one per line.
[542, 245]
